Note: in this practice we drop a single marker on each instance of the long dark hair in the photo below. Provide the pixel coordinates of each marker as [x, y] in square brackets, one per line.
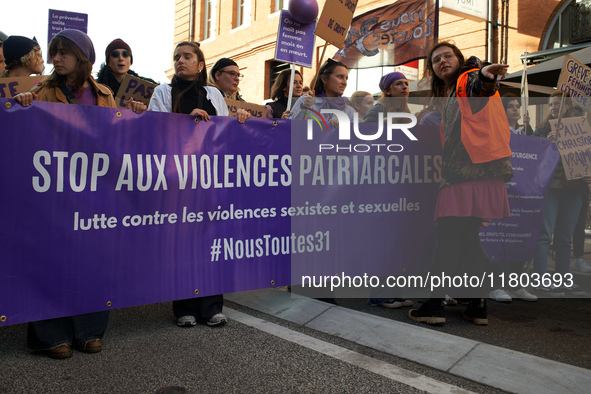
[281, 82]
[83, 68]
[197, 83]
[438, 88]
[326, 70]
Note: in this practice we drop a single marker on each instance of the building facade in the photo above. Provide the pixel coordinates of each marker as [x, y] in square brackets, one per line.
[514, 31]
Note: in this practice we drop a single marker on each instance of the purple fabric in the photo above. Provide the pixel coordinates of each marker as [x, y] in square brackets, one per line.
[104, 211]
[333, 102]
[514, 239]
[389, 79]
[51, 269]
[84, 97]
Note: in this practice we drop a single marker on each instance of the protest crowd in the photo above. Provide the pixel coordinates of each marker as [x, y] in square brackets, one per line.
[472, 190]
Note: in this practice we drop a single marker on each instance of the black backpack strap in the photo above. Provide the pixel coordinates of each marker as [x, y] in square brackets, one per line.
[68, 94]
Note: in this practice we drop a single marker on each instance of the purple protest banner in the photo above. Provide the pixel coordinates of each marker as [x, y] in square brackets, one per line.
[368, 196]
[514, 239]
[61, 20]
[295, 41]
[107, 209]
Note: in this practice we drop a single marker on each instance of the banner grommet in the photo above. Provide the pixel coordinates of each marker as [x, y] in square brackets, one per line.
[272, 283]
[2, 318]
[118, 114]
[196, 120]
[8, 105]
[196, 291]
[108, 303]
[275, 123]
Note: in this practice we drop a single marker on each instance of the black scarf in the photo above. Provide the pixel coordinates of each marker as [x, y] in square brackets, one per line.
[106, 77]
[279, 106]
[194, 97]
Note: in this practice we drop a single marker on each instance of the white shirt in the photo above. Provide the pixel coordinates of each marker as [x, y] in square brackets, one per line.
[161, 100]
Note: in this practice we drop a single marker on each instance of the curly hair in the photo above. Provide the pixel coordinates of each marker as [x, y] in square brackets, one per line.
[31, 58]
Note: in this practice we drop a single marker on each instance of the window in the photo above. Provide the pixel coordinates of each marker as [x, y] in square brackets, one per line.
[570, 25]
[280, 5]
[274, 68]
[239, 13]
[208, 19]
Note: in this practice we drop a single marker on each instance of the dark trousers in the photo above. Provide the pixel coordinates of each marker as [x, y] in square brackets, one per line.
[73, 330]
[459, 251]
[203, 308]
[579, 234]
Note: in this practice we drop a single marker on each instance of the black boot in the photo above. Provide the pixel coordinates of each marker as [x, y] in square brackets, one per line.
[476, 312]
[431, 312]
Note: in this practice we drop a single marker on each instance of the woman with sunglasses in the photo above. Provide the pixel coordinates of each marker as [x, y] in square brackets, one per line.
[118, 60]
[188, 94]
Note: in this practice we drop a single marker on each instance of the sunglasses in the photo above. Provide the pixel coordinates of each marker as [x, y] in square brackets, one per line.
[116, 54]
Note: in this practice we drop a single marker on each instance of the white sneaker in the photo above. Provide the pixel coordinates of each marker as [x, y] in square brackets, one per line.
[499, 295]
[581, 265]
[186, 321]
[396, 303]
[523, 295]
[217, 319]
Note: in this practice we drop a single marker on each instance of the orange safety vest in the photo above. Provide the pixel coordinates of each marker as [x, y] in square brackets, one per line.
[486, 133]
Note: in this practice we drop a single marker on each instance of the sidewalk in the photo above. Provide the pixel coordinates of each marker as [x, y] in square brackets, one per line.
[474, 360]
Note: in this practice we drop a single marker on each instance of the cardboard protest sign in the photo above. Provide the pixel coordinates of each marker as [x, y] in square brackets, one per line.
[574, 145]
[257, 111]
[295, 41]
[575, 79]
[335, 20]
[136, 88]
[10, 87]
[391, 35]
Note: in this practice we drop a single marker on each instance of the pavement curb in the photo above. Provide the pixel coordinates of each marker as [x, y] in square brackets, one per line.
[477, 361]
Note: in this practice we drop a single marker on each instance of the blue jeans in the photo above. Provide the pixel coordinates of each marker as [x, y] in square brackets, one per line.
[76, 330]
[560, 217]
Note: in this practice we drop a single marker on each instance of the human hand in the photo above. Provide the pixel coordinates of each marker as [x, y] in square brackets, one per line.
[26, 98]
[242, 115]
[136, 106]
[285, 114]
[334, 122]
[309, 100]
[493, 70]
[201, 113]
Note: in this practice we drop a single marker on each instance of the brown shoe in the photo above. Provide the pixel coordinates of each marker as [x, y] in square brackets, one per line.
[92, 346]
[60, 352]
